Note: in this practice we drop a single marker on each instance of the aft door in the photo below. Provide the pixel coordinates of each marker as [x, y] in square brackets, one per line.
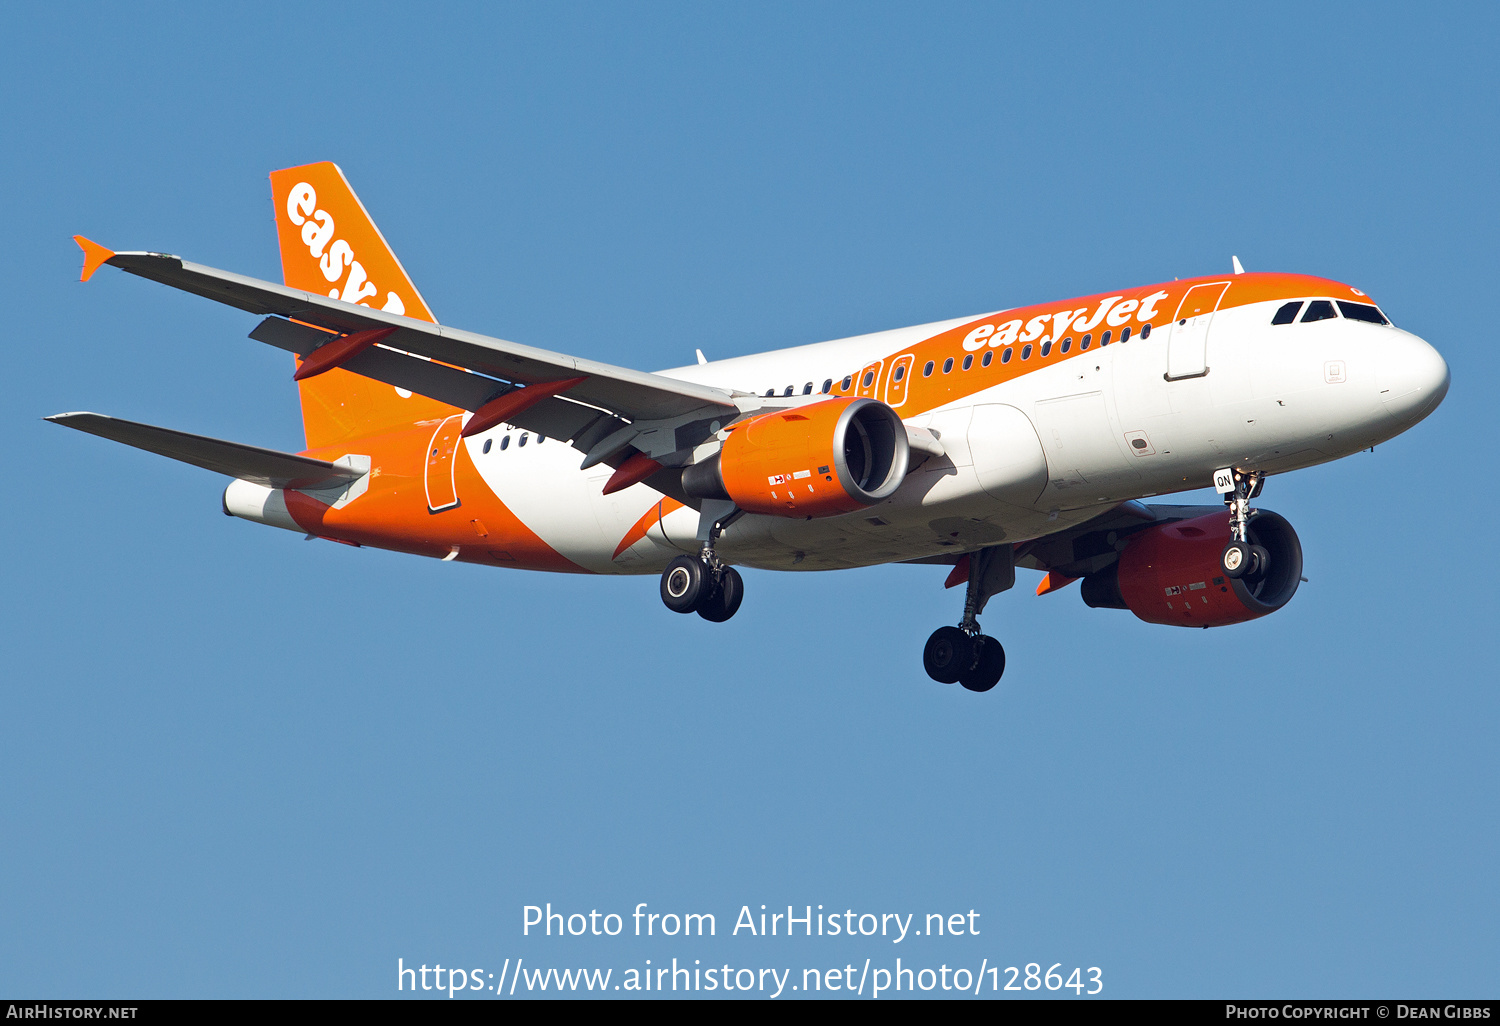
[442, 490]
[1187, 347]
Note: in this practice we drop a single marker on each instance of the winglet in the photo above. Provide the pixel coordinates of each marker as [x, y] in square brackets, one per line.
[94, 256]
[1239, 268]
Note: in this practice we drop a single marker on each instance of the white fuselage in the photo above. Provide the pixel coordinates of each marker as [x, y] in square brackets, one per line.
[1024, 458]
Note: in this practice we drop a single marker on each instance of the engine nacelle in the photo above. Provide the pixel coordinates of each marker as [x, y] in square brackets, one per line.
[1171, 574]
[819, 460]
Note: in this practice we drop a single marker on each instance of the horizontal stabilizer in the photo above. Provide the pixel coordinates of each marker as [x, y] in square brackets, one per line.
[247, 462]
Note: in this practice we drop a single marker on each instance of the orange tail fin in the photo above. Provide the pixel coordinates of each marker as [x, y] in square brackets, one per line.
[329, 245]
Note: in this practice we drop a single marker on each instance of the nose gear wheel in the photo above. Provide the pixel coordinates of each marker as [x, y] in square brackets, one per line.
[1241, 558]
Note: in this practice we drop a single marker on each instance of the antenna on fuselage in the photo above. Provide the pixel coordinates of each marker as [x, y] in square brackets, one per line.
[1239, 268]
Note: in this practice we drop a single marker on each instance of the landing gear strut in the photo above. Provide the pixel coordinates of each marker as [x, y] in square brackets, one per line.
[962, 655]
[1240, 558]
[702, 584]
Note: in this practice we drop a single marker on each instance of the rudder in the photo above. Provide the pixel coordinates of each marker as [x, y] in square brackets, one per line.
[330, 245]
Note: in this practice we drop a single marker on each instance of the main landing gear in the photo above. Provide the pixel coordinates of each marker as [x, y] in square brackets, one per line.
[1242, 558]
[962, 655]
[701, 584]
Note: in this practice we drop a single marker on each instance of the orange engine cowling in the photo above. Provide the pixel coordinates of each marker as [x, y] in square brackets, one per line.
[819, 460]
[1171, 574]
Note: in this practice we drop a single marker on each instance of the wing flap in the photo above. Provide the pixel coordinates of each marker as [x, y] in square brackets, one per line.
[1091, 546]
[247, 462]
[555, 416]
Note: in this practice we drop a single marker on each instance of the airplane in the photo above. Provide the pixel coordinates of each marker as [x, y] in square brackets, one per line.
[1026, 437]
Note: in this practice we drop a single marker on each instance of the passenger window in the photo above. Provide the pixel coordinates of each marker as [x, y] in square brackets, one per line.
[540, 439]
[1047, 348]
[984, 361]
[1005, 356]
[1318, 310]
[1084, 344]
[947, 365]
[487, 443]
[827, 386]
[1362, 312]
[807, 388]
[1288, 312]
[844, 385]
[1066, 345]
[505, 443]
[1145, 331]
[869, 379]
[770, 392]
[1026, 351]
[968, 361]
[1125, 335]
[789, 390]
[899, 372]
[927, 370]
[523, 439]
[1105, 340]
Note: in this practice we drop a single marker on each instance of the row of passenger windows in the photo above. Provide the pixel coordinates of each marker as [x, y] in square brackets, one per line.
[806, 389]
[1323, 309]
[1006, 355]
[505, 441]
[1045, 349]
[1317, 310]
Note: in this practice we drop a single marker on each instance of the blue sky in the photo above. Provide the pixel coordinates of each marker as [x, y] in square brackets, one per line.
[239, 764]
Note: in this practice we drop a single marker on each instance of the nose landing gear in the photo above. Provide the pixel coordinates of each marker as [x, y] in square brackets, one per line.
[701, 584]
[1241, 558]
[962, 655]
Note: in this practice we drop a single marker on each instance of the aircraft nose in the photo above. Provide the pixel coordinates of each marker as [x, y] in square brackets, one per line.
[1414, 380]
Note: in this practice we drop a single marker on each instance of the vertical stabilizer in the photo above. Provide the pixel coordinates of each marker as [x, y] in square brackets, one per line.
[329, 245]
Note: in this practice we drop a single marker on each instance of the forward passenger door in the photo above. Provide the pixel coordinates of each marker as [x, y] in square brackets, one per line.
[1187, 346]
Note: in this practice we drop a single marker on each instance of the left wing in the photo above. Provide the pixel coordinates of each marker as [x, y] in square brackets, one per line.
[648, 402]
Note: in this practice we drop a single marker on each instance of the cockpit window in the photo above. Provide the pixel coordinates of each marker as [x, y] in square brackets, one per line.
[1362, 312]
[1288, 312]
[1318, 310]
